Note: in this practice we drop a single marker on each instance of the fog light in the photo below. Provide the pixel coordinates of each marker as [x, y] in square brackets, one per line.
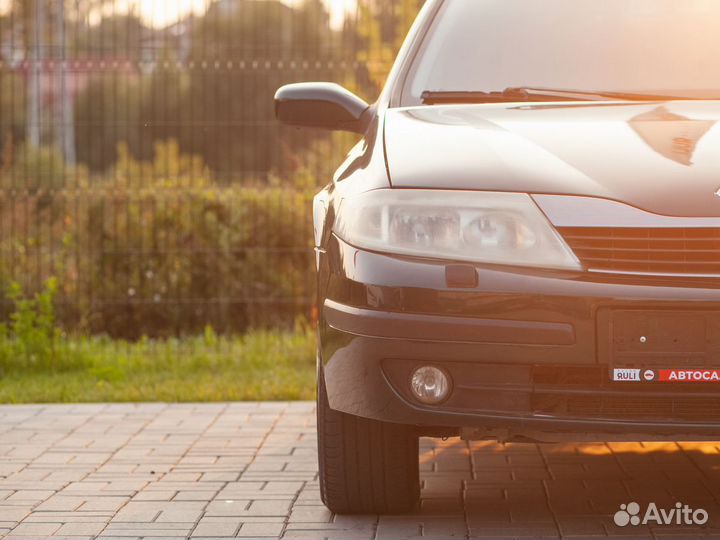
[430, 385]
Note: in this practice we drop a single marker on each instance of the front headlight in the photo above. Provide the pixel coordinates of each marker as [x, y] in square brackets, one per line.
[494, 228]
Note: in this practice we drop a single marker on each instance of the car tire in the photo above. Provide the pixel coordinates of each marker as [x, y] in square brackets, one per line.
[366, 466]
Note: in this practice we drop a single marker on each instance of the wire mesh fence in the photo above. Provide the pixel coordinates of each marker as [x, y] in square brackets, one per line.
[141, 166]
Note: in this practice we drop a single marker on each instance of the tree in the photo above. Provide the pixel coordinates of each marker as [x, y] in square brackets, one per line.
[111, 109]
[376, 35]
[12, 92]
[12, 114]
[107, 114]
[243, 51]
[119, 37]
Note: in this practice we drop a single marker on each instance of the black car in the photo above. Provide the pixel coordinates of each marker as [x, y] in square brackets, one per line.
[525, 245]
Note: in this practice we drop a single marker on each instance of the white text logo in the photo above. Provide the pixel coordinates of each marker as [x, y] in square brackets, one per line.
[682, 514]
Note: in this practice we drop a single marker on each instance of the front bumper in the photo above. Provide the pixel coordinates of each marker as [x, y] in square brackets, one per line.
[529, 352]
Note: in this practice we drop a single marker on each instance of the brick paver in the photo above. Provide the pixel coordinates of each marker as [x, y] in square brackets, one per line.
[249, 470]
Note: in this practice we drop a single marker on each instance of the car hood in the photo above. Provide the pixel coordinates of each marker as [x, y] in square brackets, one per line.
[663, 158]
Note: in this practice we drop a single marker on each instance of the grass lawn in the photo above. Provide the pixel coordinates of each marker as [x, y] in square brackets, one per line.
[272, 365]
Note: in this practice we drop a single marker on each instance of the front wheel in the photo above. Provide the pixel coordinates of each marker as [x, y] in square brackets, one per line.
[366, 466]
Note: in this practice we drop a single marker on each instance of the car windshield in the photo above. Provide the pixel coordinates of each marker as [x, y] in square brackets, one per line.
[640, 47]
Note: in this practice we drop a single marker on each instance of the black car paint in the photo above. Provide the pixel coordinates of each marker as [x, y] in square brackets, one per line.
[637, 153]
[323, 106]
[563, 149]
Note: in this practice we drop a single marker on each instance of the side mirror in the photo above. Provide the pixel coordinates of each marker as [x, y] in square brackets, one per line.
[321, 105]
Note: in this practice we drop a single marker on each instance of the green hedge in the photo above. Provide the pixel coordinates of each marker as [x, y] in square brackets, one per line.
[158, 248]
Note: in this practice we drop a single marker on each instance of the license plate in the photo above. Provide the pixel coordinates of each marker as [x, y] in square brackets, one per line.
[683, 375]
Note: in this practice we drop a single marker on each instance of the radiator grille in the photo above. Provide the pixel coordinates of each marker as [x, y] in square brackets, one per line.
[667, 408]
[588, 392]
[681, 251]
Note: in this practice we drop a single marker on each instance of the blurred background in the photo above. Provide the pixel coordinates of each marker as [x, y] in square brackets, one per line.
[147, 195]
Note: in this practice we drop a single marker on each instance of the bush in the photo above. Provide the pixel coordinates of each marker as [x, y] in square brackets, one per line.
[32, 340]
[158, 248]
[36, 168]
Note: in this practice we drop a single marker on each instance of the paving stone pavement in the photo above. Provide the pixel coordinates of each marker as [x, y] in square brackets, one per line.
[249, 470]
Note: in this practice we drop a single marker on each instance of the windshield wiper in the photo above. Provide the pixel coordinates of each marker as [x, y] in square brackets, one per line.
[530, 94]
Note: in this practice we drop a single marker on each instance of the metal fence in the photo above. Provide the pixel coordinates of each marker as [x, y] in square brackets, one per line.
[140, 164]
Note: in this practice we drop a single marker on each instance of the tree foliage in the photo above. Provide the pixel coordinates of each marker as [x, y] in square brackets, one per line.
[196, 205]
[218, 101]
[377, 33]
[207, 82]
[241, 57]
